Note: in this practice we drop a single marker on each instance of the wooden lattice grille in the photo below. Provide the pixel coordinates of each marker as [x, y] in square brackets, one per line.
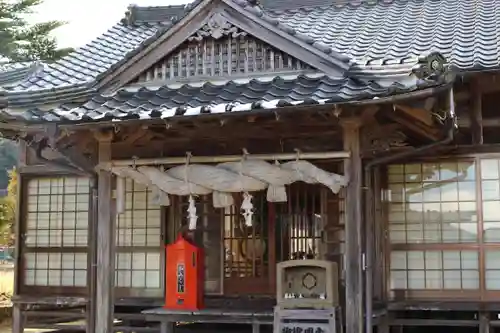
[246, 247]
[56, 232]
[300, 223]
[208, 234]
[224, 57]
[138, 240]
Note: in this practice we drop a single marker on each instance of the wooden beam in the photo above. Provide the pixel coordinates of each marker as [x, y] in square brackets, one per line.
[476, 114]
[353, 237]
[486, 123]
[368, 115]
[105, 272]
[488, 82]
[42, 169]
[415, 126]
[422, 115]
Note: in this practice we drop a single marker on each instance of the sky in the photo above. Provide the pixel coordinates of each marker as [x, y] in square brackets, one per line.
[87, 19]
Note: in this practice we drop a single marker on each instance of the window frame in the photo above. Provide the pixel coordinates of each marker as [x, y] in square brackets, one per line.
[21, 287]
[140, 292]
[482, 293]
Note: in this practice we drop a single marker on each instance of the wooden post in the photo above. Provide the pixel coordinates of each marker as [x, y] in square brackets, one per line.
[167, 327]
[484, 322]
[17, 319]
[91, 275]
[379, 263]
[20, 219]
[353, 236]
[383, 326]
[476, 114]
[105, 271]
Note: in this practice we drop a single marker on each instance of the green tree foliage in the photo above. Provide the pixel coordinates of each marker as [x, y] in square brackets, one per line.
[21, 41]
[8, 211]
[8, 160]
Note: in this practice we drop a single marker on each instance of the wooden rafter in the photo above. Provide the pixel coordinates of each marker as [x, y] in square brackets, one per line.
[414, 125]
[422, 113]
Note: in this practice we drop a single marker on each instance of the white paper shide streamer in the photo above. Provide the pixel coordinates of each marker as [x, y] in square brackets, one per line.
[244, 176]
[192, 217]
[120, 195]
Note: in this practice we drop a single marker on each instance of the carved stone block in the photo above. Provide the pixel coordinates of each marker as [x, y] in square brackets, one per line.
[307, 284]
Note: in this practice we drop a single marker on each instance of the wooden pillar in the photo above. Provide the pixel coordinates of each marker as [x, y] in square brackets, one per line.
[476, 114]
[17, 319]
[383, 325]
[105, 258]
[484, 322]
[91, 274]
[167, 327]
[353, 237]
[378, 226]
[20, 219]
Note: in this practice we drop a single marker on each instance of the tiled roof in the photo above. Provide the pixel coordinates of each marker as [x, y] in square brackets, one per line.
[378, 31]
[13, 73]
[224, 96]
[379, 36]
[88, 62]
[79, 70]
[161, 14]
[339, 59]
[140, 27]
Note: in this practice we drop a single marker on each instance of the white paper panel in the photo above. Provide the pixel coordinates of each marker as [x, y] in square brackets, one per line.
[435, 269]
[58, 212]
[138, 270]
[56, 269]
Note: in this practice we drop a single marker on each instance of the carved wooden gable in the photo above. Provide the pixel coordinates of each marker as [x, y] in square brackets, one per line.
[221, 49]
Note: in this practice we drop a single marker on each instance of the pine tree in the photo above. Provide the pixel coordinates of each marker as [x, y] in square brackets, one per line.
[20, 41]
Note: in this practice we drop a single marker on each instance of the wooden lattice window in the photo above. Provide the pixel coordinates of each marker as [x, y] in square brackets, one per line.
[246, 247]
[138, 240]
[223, 57]
[448, 269]
[433, 221]
[433, 203]
[490, 194]
[56, 232]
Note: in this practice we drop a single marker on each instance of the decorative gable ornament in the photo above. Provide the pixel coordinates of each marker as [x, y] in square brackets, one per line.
[217, 27]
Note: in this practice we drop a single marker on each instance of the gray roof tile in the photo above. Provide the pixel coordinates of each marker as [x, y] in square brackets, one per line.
[13, 73]
[377, 34]
[87, 63]
[136, 14]
[225, 96]
[464, 31]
